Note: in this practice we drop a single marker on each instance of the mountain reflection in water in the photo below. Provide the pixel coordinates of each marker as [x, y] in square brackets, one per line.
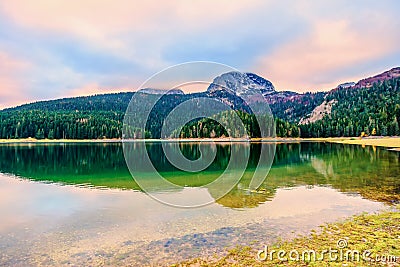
[372, 173]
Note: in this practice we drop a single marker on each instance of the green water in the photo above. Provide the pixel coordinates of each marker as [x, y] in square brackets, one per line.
[372, 173]
[77, 204]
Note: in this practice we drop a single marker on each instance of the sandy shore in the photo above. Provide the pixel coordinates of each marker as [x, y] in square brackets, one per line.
[390, 142]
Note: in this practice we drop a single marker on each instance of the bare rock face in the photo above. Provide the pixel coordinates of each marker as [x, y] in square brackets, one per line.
[241, 83]
[319, 112]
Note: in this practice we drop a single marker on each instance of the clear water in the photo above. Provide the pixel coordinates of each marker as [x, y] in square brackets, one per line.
[78, 204]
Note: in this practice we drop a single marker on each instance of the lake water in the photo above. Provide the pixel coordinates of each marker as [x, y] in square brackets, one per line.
[63, 204]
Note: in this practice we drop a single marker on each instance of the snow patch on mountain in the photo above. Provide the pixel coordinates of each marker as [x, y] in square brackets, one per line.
[241, 83]
[154, 91]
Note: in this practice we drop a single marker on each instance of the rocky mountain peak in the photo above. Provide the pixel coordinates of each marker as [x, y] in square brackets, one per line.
[241, 83]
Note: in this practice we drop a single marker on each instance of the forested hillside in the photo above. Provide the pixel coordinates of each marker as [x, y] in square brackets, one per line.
[374, 110]
[293, 108]
[90, 117]
[101, 116]
[57, 125]
[211, 128]
[108, 102]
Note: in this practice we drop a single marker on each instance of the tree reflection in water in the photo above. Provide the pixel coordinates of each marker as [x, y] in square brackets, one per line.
[373, 173]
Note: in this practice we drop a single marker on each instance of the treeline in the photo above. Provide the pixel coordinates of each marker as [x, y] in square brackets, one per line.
[374, 111]
[97, 125]
[214, 127]
[86, 117]
[114, 102]
[60, 125]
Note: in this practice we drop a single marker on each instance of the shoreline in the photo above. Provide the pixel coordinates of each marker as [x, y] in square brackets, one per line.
[389, 142]
[393, 143]
[49, 141]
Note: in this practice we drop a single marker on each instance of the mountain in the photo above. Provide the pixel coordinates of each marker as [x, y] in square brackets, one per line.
[287, 105]
[346, 110]
[371, 106]
[292, 107]
[325, 108]
[384, 76]
[267, 85]
[368, 82]
[241, 83]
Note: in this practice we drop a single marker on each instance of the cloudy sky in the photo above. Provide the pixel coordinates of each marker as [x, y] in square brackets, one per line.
[59, 48]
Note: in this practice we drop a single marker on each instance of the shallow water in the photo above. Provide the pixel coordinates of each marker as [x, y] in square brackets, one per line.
[77, 203]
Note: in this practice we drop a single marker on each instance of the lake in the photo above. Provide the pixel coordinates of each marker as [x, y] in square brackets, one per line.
[77, 204]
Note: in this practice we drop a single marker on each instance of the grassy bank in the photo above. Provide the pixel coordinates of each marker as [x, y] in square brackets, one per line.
[373, 235]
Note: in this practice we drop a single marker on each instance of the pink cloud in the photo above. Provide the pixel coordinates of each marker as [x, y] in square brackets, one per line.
[108, 16]
[95, 88]
[11, 85]
[104, 23]
[307, 62]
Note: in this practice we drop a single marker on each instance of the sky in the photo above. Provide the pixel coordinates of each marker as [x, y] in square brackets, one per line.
[61, 48]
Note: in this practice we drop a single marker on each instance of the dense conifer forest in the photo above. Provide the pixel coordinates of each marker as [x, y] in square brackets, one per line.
[374, 110]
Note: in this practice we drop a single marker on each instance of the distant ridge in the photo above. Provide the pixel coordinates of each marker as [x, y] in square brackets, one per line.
[387, 75]
[153, 91]
[348, 110]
